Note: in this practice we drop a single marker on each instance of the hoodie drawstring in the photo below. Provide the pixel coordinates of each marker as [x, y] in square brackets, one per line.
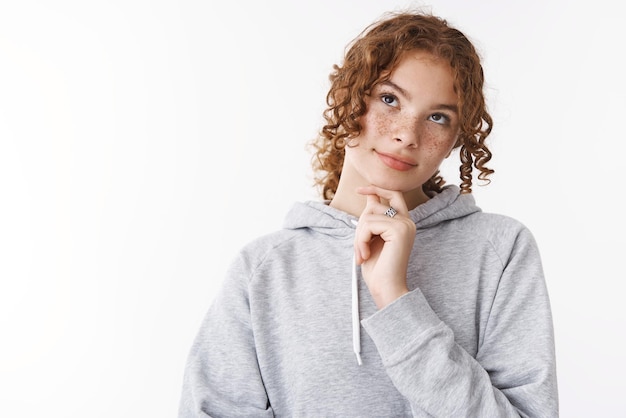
[356, 321]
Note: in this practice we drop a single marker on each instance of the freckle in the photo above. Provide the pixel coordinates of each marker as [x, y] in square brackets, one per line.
[382, 125]
[432, 143]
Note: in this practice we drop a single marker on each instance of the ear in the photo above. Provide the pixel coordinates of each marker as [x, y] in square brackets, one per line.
[352, 141]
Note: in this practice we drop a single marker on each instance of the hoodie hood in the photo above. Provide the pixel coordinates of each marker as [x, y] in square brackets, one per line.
[320, 217]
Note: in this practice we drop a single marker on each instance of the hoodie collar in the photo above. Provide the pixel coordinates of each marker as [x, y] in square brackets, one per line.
[317, 215]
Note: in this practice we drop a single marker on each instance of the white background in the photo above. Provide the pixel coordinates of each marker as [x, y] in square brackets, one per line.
[143, 142]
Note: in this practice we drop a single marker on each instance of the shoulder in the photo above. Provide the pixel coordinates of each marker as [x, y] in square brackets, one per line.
[259, 250]
[504, 233]
[494, 223]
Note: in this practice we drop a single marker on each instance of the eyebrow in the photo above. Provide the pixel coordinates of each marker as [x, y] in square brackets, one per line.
[450, 107]
[406, 94]
[396, 87]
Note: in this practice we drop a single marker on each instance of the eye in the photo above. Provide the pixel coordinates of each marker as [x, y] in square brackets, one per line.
[439, 118]
[389, 99]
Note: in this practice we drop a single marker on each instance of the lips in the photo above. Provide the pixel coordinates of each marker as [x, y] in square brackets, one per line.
[396, 162]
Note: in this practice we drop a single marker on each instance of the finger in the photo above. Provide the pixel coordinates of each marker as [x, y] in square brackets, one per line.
[371, 226]
[372, 204]
[394, 197]
[362, 245]
[362, 254]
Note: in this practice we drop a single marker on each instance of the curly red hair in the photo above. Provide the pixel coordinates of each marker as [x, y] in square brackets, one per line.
[369, 60]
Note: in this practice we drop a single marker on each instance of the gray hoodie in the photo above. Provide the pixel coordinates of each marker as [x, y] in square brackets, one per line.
[294, 331]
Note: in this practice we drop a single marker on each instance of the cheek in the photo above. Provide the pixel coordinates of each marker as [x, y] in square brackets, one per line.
[377, 123]
[437, 141]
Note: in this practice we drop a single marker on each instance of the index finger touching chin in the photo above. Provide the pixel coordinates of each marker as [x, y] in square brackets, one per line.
[394, 197]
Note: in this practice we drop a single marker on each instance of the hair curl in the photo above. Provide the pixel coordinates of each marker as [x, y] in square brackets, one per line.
[369, 60]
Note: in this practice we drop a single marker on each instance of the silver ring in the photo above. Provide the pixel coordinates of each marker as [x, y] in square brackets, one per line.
[391, 212]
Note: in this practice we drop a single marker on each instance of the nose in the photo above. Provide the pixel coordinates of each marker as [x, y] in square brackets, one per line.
[408, 131]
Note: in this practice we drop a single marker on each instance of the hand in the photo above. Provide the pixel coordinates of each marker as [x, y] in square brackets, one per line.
[383, 245]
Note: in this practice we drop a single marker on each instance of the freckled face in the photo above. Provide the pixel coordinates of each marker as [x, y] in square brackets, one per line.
[410, 126]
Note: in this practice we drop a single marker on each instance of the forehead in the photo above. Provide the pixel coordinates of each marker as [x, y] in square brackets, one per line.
[422, 73]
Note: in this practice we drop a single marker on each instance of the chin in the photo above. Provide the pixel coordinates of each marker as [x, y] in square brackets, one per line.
[396, 186]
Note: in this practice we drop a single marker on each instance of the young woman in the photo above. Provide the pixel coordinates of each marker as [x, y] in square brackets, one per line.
[396, 295]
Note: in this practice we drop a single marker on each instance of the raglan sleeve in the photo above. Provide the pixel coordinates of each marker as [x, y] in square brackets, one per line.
[514, 371]
[221, 376]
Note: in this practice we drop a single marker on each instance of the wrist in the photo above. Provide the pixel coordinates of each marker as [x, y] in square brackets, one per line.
[389, 295]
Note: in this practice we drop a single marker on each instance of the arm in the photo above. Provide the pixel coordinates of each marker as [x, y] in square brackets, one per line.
[222, 375]
[514, 370]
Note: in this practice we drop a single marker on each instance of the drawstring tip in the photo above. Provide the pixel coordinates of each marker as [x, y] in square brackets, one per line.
[358, 358]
